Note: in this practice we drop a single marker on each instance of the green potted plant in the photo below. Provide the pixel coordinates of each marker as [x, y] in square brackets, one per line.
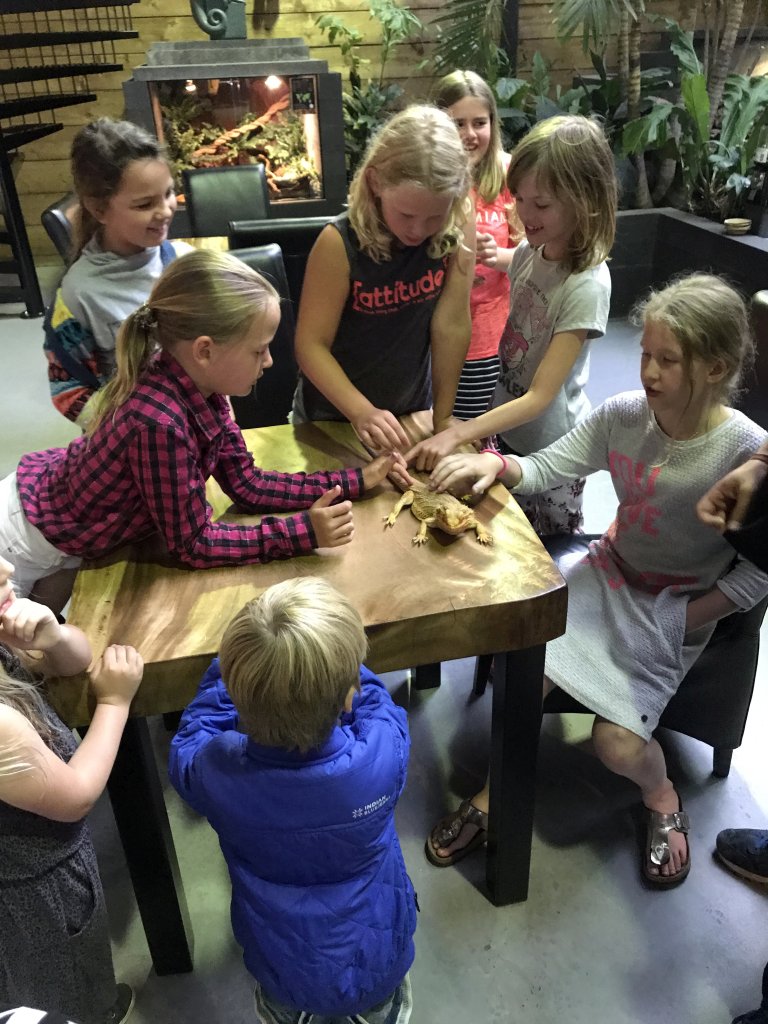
[368, 105]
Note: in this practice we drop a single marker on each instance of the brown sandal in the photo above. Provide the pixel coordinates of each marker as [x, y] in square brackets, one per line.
[449, 829]
[656, 847]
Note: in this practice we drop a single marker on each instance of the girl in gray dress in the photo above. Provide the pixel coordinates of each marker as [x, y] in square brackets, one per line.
[644, 600]
[54, 940]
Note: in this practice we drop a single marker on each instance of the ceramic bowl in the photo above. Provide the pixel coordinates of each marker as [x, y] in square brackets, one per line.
[737, 225]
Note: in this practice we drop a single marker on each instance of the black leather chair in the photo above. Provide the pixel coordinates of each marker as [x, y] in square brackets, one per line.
[294, 235]
[712, 702]
[271, 399]
[216, 195]
[57, 220]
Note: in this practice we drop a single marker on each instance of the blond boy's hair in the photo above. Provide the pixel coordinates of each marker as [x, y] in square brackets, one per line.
[288, 660]
[569, 156]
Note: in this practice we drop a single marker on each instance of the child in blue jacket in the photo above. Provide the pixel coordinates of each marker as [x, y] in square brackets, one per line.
[297, 755]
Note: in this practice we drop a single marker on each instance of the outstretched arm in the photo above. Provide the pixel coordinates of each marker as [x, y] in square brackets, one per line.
[553, 370]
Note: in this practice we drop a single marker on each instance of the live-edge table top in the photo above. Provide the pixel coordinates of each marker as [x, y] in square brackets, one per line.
[449, 598]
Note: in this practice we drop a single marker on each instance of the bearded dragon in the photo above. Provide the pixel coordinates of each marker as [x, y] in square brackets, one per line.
[438, 511]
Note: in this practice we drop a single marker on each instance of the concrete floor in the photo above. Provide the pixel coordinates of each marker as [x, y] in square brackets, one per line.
[589, 944]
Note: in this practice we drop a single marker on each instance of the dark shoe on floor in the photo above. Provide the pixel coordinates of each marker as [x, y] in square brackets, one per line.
[123, 1005]
[753, 1017]
[745, 851]
[448, 830]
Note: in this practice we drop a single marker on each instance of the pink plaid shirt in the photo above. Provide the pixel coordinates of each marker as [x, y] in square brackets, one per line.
[145, 472]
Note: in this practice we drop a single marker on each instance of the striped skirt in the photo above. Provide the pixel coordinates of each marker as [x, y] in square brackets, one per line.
[476, 387]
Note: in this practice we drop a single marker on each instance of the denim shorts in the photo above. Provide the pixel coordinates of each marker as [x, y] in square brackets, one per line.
[396, 1009]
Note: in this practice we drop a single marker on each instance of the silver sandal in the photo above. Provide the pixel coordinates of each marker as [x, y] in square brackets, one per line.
[656, 847]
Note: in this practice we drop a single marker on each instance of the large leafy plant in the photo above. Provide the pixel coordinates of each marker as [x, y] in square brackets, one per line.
[367, 106]
[469, 36]
[714, 160]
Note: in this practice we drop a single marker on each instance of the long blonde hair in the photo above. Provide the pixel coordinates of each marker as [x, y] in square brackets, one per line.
[488, 173]
[20, 690]
[201, 293]
[570, 156]
[419, 146]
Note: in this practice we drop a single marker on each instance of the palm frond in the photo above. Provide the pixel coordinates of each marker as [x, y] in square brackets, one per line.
[470, 37]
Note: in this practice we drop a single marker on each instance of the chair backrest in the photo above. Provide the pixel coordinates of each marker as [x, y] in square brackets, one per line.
[294, 235]
[57, 220]
[271, 399]
[216, 195]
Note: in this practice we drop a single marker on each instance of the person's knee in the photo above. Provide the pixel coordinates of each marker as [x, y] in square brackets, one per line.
[617, 748]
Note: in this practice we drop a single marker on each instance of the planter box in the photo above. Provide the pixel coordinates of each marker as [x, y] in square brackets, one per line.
[654, 246]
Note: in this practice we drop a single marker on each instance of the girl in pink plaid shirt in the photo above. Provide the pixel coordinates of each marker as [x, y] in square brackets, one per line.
[160, 428]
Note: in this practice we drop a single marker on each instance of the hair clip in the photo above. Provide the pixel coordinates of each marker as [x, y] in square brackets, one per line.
[145, 317]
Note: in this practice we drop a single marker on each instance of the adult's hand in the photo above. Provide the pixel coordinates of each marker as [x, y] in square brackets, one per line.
[725, 505]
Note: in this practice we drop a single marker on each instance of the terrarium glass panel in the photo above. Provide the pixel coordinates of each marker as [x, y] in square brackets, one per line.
[220, 122]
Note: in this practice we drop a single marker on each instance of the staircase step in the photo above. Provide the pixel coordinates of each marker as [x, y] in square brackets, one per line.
[52, 101]
[5, 238]
[20, 134]
[40, 74]
[35, 6]
[11, 293]
[34, 40]
[9, 267]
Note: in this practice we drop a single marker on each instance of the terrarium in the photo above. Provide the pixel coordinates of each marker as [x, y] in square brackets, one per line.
[226, 102]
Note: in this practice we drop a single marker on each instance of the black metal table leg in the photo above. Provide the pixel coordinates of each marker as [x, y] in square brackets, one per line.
[426, 677]
[515, 727]
[145, 832]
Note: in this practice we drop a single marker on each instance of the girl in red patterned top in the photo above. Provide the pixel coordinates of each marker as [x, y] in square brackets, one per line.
[160, 428]
[470, 102]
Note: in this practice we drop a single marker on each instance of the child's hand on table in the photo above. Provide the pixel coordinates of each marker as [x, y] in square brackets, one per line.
[466, 471]
[391, 465]
[379, 430]
[333, 524]
[116, 675]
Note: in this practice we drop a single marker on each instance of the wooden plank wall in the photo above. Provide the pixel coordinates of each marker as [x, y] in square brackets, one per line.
[44, 175]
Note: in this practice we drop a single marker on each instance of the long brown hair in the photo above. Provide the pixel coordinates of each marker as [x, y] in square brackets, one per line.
[489, 173]
[101, 152]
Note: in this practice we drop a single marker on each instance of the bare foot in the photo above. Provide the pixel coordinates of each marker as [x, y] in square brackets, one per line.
[667, 801]
[457, 830]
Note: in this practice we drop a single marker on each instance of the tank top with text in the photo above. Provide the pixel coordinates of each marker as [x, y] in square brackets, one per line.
[383, 339]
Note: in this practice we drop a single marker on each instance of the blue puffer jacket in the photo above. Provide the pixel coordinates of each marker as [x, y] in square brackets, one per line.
[321, 901]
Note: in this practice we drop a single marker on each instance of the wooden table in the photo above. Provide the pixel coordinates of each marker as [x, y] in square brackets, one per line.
[450, 598]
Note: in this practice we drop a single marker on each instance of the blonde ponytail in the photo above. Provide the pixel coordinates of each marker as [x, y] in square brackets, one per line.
[136, 344]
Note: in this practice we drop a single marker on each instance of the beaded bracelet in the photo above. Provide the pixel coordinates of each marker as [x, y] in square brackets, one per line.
[759, 457]
[504, 463]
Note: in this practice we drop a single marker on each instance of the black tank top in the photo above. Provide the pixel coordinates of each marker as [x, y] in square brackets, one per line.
[383, 339]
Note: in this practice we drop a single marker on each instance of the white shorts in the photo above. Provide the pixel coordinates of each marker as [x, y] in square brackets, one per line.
[22, 544]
